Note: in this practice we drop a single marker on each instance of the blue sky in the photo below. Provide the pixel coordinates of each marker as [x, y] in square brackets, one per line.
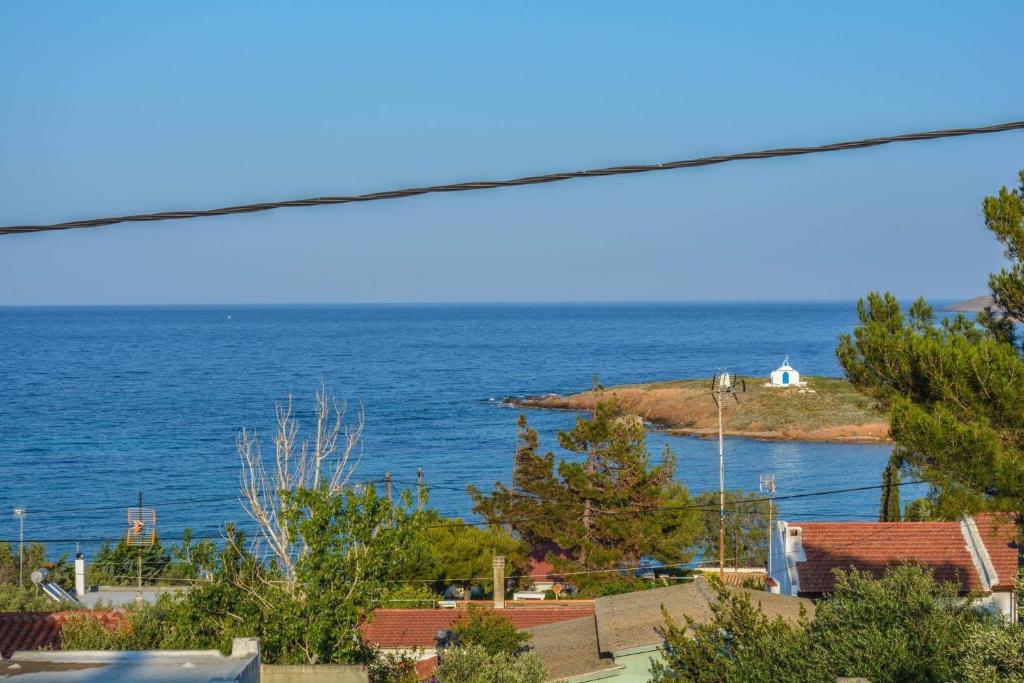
[127, 107]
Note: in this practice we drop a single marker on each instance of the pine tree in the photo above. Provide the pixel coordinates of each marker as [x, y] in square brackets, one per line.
[890, 508]
[603, 509]
[954, 387]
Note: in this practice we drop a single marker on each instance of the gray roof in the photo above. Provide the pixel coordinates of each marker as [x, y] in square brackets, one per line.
[119, 597]
[632, 620]
[569, 648]
[151, 666]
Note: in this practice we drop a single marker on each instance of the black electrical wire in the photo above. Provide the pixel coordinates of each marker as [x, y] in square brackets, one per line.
[527, 180]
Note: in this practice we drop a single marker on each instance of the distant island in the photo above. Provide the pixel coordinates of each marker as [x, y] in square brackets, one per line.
[826, 409]
[975, 305]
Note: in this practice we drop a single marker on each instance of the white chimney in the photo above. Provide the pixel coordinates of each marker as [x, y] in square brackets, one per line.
[79, 575]
[498, 564]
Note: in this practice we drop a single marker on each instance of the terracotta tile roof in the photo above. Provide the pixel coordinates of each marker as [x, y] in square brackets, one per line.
[425, 668]
[393, 628]
[738, 578]
[38, 630]
[539, 566]
[998, 532]
[874, 546]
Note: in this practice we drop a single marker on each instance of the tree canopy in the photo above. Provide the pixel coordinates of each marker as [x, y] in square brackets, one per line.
[609, 506]
[953, 386]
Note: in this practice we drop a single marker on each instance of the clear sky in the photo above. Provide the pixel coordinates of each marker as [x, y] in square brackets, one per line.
[129, 107]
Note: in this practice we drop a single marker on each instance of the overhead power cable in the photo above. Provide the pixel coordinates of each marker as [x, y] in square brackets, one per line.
[513, 182]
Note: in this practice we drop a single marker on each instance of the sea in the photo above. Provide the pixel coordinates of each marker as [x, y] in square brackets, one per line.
[101, 404]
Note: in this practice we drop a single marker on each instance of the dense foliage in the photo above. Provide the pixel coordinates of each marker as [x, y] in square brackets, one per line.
[489, 630]
[356, 542]
[28, 596]
[610, 506]
[474, 664]
[953, 387]
[903, 627]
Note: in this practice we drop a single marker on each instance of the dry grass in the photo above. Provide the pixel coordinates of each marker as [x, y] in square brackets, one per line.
[830, 409]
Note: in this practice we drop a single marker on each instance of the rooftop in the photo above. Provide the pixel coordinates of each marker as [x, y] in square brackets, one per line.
[874, 546]
[569, 648]
[632, 620]
[407, 628]
[37, 630]
[156, 666]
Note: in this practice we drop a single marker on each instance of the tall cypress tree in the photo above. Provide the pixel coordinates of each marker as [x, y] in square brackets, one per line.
[889, 510]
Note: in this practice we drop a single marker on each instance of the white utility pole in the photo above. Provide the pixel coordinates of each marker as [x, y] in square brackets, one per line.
[723, 386]
[20, 514]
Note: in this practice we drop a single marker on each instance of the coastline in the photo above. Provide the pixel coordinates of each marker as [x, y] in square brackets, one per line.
[829, 410]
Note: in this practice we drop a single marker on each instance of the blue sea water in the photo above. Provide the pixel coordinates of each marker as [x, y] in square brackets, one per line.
[100, 403]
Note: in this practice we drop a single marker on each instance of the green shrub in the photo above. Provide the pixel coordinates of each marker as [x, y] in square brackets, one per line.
[473, 664]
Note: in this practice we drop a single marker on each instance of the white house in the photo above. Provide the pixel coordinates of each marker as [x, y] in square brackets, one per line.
[785, 376]
[977, 553]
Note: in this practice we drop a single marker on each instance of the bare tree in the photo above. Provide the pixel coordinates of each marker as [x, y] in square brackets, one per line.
[326, 458]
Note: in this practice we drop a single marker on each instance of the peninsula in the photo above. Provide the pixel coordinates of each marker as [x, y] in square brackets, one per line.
[825, 409]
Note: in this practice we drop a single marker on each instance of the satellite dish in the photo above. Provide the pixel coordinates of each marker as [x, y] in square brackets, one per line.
[39, 576]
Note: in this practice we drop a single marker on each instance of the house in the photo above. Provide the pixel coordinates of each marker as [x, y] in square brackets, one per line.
[622, 639]
[110, 666]
[415, 631]
[23, 631]
[979, 553]
[785, 376]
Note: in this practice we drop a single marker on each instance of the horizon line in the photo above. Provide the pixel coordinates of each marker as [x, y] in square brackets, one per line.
[457, 302]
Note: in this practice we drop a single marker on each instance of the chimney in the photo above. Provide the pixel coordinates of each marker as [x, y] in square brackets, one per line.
[498, 564]
[79, 575]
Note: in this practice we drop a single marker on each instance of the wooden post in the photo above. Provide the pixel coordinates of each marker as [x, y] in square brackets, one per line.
[387, 485]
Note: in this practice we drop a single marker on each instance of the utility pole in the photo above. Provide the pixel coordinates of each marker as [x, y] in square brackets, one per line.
[722, 385]
[20, 514]
[768, 485]
[387, 485]
[419, 488]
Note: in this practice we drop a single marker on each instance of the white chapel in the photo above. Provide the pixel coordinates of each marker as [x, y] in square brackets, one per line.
[785, 376]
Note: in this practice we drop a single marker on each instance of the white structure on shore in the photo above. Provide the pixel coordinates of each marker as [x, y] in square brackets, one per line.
[785, 376]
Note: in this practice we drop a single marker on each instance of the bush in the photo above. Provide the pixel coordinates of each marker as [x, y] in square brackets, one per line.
[27, 599]
[473, 664]
[490, 631]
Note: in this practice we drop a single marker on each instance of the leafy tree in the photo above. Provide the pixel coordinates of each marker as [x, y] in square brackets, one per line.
[354, 543]
[455, 551]
[474, 664]
[746, 528]
[608, 507]
[953, 387]
[61, 570]
[491, 631]
[919, 510]
[889, 509]
[902, 627]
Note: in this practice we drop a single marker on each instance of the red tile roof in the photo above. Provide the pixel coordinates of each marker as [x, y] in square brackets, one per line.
[998, 532]
[540, 567]
[874, 546]
[425, 668]
[38, 630]
[391, 628]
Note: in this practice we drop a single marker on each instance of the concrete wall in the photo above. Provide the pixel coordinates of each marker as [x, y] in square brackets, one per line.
[305, 673]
